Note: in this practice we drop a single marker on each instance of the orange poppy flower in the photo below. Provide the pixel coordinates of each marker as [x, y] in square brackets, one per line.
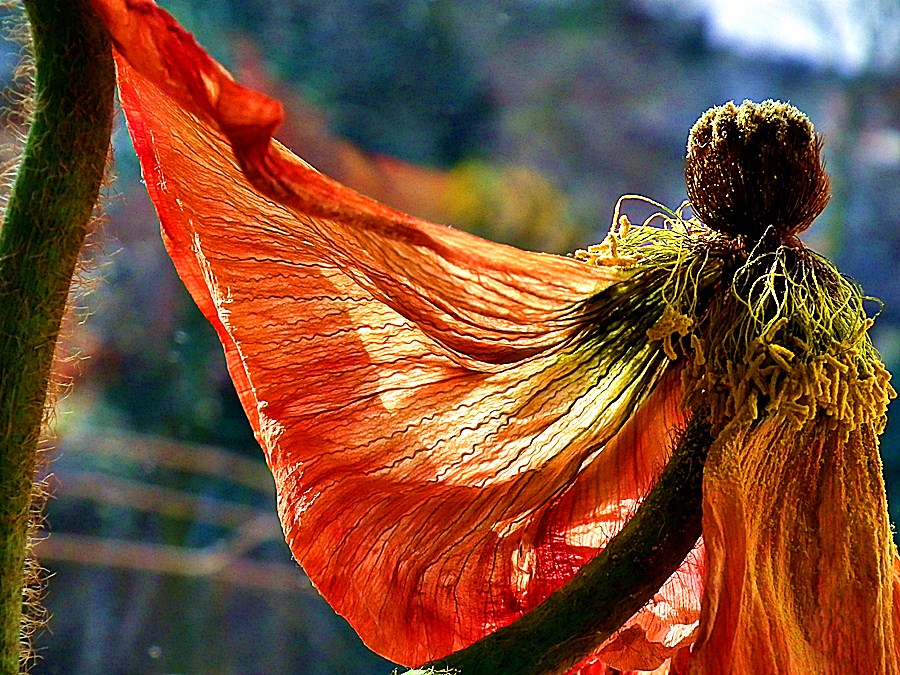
[456, 427]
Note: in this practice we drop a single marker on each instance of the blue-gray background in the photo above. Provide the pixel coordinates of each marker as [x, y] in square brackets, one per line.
[156, 569]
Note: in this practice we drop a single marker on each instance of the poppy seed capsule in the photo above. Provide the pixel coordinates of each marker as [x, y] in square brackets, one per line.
[753, 167]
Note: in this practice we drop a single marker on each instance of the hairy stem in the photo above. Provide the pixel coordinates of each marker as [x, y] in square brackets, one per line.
[42, 233]
[610, 589]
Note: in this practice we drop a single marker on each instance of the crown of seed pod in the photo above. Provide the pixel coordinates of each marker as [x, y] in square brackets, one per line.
[755, 169]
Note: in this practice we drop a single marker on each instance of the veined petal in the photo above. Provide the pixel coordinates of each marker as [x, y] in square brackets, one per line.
[455, 427]
[802, 571]
[462, 290]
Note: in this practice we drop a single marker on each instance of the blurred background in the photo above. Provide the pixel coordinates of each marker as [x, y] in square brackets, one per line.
[521, 120]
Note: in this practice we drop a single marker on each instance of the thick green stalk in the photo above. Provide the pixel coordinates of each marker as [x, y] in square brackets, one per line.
[44, 227]
[580, 616]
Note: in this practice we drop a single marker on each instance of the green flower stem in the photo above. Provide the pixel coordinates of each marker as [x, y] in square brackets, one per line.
[46, 220]
[610, 589]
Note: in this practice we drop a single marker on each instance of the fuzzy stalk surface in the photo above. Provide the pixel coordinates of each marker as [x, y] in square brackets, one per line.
[44, 227]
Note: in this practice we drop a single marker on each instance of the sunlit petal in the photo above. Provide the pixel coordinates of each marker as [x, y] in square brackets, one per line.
[801, 575]
[451, 423]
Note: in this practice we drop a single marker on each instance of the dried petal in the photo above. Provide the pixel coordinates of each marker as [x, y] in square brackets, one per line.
[802, 570]
[451, 423]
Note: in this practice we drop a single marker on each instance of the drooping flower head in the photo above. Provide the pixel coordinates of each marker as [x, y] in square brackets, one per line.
[457, 427]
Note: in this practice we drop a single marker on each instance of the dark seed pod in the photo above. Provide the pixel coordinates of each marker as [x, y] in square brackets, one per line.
[755, 170]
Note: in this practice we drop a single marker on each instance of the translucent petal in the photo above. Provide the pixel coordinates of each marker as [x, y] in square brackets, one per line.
[454, 426]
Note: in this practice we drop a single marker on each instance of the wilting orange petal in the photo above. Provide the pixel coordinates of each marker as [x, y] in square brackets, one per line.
[448, 441]
[416, 190]
[504, 203]
[801, 573]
